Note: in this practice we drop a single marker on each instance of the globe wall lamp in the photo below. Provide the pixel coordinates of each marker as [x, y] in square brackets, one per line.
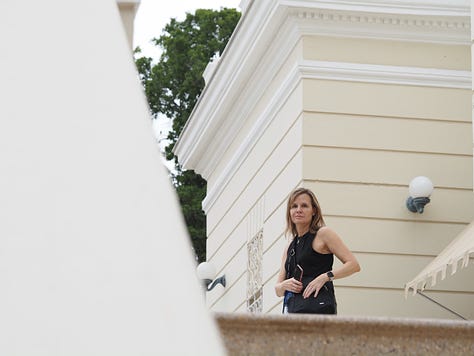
[206, 272]
[420, 190]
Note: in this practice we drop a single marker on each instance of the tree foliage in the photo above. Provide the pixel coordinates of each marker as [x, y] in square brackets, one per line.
[173, 86]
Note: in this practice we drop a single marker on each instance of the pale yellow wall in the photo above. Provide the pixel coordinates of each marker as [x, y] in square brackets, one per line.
[363, 143]
[400, 53]
[387, 100]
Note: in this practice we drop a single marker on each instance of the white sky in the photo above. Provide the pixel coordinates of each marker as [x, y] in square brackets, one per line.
[151, 18]
[153, 15]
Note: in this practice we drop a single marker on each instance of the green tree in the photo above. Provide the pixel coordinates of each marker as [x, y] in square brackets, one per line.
[173, 86]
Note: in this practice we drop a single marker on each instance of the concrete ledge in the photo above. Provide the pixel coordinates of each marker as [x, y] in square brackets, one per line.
[246, 334]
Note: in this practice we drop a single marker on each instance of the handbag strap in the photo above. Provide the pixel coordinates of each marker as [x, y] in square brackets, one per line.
[292, 254]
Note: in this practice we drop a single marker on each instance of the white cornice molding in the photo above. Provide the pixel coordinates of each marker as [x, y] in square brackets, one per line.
[447, 30]
[385, 74]
[247, 46]
[244, 4]
[266, 69]
[455, 8]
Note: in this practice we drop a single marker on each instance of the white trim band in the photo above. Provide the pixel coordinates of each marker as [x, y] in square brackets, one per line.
[385, 74]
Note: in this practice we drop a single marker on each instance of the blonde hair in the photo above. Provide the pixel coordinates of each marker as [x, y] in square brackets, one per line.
[317, 220]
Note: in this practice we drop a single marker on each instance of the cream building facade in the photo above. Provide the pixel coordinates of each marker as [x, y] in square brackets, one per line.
[353, 100]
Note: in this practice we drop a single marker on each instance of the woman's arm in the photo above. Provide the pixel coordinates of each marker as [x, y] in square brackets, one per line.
[333, 244]
[284, 284]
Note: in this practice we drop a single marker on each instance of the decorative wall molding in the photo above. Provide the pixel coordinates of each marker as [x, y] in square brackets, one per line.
[245, 4]
[405, 27]
[382, 19]
[255, 273]
[224, 86]
[385, 74]
[453, 8]
[258, 81]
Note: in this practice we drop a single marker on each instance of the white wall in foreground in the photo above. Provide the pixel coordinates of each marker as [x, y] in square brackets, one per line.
[90, 230]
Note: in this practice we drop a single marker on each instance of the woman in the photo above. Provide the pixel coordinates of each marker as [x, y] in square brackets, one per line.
[312, 247]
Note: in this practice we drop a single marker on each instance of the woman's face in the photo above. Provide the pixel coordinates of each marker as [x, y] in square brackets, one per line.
[301, 211]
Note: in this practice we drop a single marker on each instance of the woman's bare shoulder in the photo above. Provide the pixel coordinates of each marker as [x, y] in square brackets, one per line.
[326, 232]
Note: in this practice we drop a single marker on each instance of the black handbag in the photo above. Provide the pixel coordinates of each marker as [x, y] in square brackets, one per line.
[324, 303]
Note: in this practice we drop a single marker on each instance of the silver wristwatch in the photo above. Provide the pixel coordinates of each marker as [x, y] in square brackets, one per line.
[330, 275]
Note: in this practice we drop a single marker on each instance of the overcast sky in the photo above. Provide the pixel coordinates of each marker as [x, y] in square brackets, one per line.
[153, 15]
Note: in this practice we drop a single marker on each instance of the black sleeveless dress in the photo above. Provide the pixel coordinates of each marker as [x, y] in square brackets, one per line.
[313, 263]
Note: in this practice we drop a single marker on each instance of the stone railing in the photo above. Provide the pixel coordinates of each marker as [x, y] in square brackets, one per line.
[246, 334]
